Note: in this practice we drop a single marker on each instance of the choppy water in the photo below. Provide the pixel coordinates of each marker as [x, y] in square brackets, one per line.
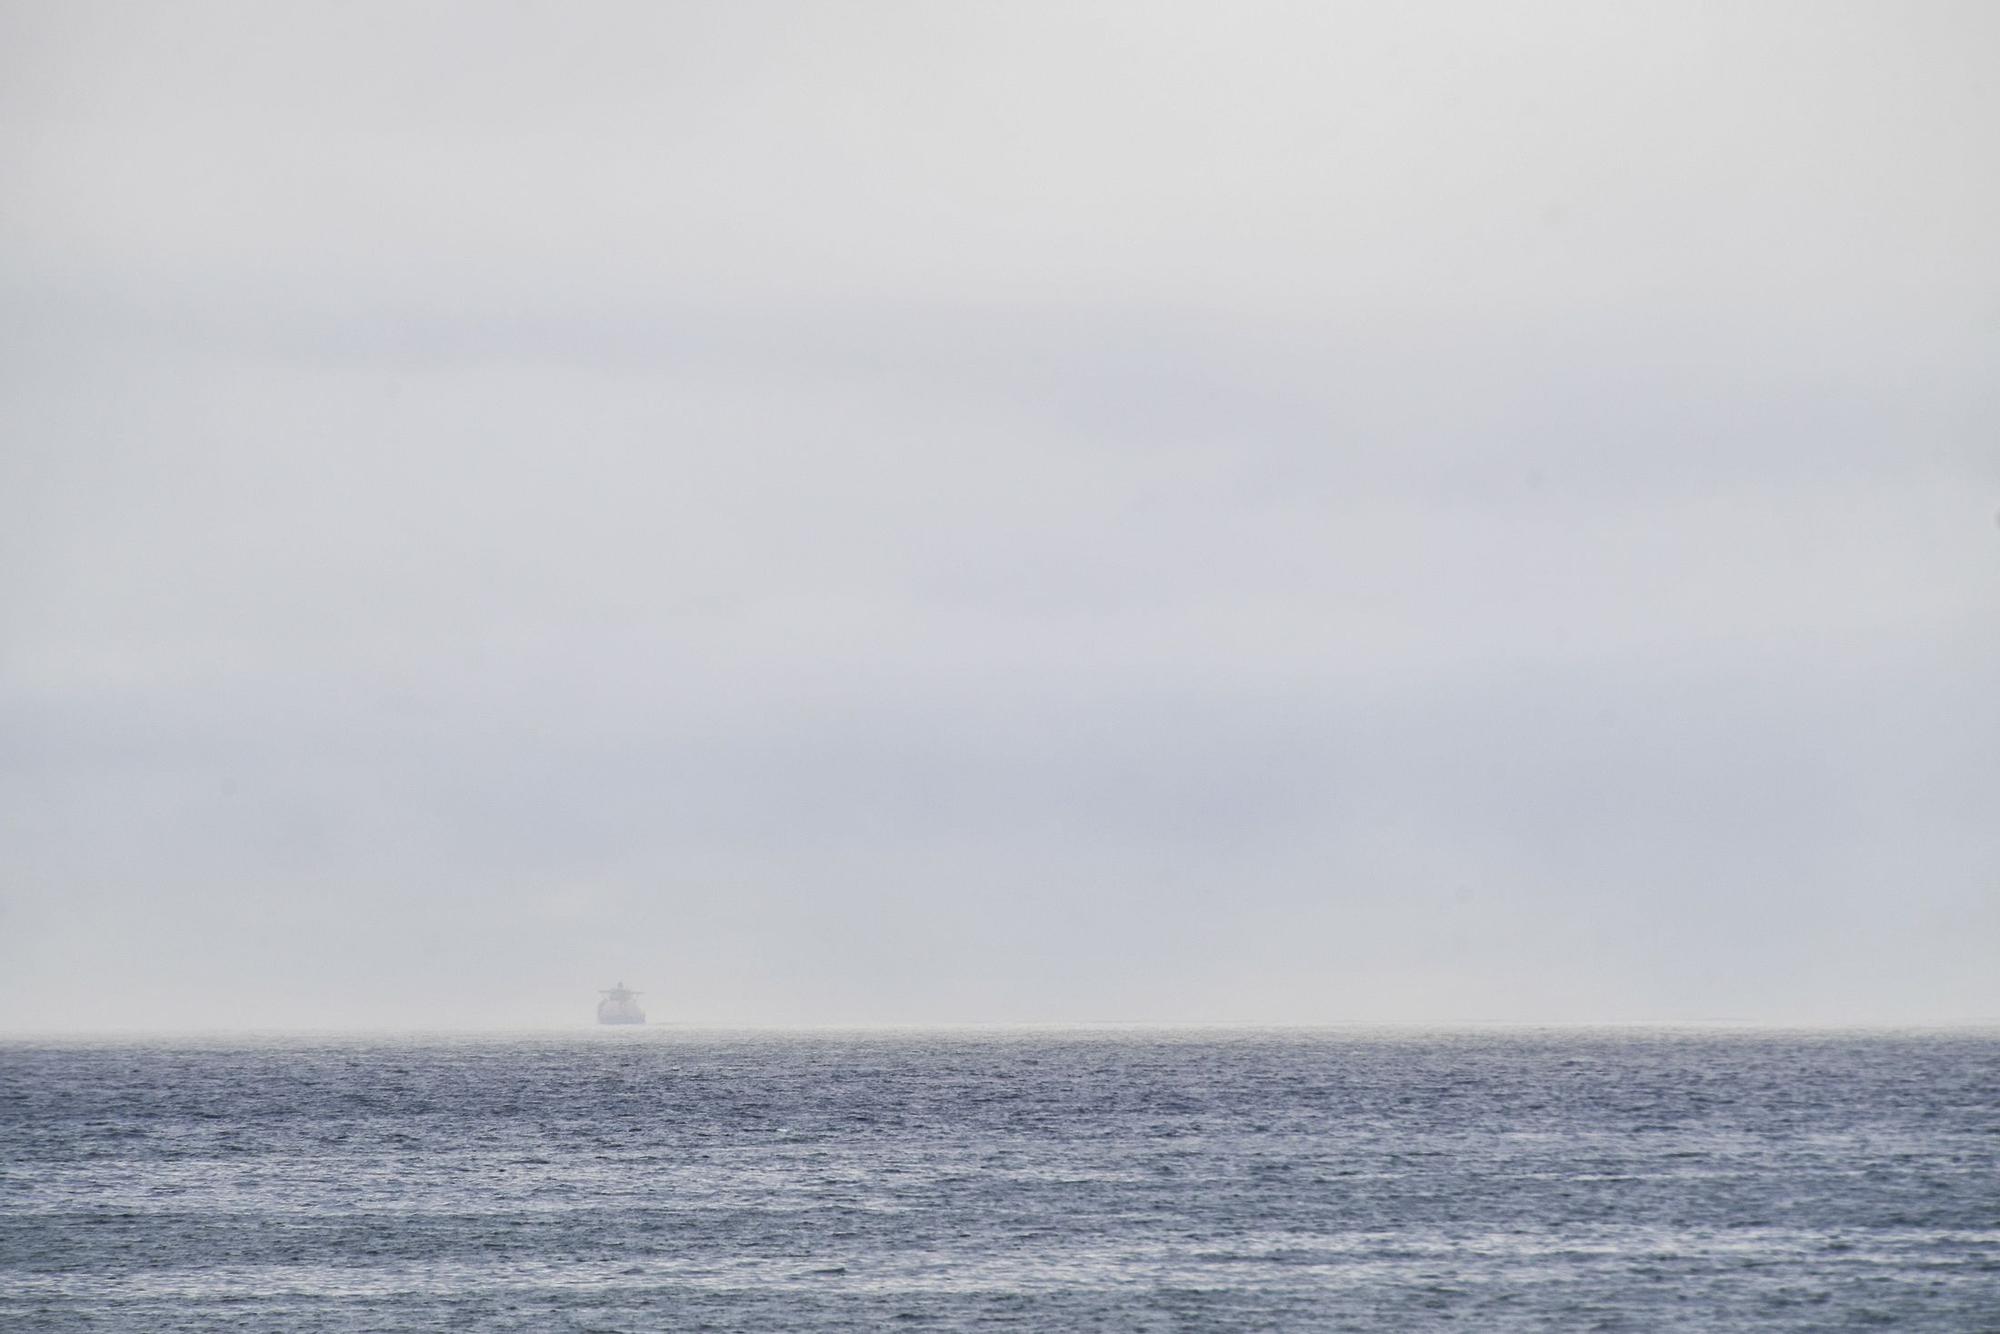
[673, 1180]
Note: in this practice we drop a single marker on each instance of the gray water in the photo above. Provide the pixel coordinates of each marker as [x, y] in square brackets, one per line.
[666, 1179]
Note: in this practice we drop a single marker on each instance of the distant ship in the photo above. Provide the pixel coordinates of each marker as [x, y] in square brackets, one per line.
[618, 1007]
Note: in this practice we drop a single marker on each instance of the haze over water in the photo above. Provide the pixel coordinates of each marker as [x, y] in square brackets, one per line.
[1458, 512]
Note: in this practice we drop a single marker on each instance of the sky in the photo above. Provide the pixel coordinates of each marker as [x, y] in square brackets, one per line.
[999, 513]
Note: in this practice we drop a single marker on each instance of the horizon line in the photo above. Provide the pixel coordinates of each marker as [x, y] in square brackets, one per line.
[1713, 1023]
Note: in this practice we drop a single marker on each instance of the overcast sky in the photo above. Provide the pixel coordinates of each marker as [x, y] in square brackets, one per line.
[999, 512]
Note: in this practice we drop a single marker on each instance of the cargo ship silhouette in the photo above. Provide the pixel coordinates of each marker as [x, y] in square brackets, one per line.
[618, 1007]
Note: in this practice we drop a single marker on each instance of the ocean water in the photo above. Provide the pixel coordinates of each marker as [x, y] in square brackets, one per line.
[1145, 1180]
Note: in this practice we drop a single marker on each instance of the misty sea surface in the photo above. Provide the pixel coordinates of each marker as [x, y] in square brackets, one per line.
[667, 1179]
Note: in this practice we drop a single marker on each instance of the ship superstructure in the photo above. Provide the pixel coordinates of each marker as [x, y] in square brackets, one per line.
[618, 1007]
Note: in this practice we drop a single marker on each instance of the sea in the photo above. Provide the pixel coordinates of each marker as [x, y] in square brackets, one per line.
[1087, 1179]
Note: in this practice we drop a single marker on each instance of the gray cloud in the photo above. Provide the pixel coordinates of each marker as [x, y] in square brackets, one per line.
[1019, 513]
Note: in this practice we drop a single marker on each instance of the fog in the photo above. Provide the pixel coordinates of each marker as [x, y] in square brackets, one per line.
[909, 513]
